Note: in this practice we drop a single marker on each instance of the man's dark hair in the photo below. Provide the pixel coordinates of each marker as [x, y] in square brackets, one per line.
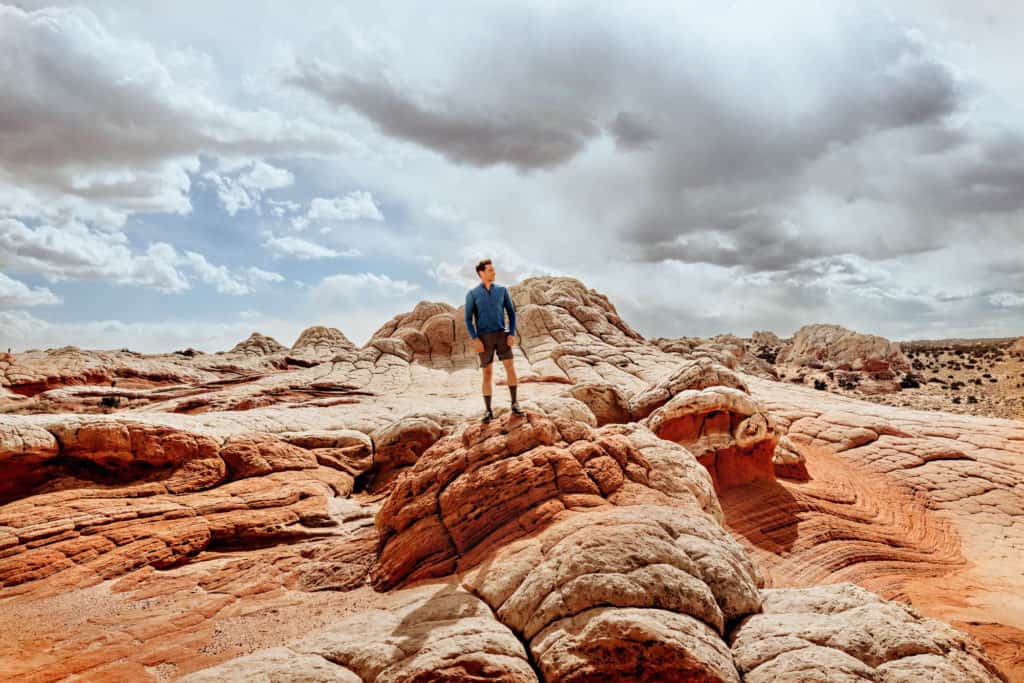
[483, 264]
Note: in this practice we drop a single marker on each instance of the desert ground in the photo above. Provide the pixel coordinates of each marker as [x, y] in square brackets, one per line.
[729, 509]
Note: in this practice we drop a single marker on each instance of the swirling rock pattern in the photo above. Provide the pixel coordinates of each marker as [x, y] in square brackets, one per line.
[240, 508]
[490, 483]
[915, 505]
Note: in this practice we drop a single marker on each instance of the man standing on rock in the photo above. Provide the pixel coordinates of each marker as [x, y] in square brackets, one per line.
[488, 302]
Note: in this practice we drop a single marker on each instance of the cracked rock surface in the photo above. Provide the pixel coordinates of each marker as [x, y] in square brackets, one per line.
[664, 510]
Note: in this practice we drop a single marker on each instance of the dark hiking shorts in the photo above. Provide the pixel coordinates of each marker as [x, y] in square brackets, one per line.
[494, 341]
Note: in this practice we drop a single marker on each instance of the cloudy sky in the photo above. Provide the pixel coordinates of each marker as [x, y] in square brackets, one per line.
[181, 174]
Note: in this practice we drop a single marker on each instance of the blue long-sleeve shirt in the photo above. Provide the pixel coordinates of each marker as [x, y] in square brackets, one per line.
[489, 307]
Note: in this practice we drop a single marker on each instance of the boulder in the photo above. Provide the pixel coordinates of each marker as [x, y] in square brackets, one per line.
[841, 632]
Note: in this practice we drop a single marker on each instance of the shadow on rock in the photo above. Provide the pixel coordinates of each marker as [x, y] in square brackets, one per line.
[763, 512]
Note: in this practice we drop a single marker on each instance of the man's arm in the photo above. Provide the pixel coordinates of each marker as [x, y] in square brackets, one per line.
[470, 309]
[511, 313]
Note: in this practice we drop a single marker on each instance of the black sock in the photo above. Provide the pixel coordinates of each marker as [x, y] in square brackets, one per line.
[487, 402]
[512, 390]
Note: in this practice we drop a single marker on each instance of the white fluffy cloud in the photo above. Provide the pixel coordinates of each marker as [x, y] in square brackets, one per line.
[14, 293]
[304, 250]
[99, 123]
[1007, 299]
[356, 205]
[244, 190]
[281, 207]
[357, 287]
[509, 264]
[78, 252]
[444, 213]
[259, 275]
[217, 276]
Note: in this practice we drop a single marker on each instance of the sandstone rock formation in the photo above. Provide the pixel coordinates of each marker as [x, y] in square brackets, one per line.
[28, 374]
[765, 338]
[819, 634]
[725, 349]
[789, 461]
[258, 345]
[328, 512]
[833, 347]
[1017, 349]
[433, 632]
[707, 408]
[319, 344]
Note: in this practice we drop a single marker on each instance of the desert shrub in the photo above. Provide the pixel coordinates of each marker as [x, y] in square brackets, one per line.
[110, 401]
[848, 381]
[910, 381]
[972, 399]
[820, 384]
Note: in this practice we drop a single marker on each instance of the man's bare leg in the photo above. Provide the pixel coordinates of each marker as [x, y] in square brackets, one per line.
[512, 381]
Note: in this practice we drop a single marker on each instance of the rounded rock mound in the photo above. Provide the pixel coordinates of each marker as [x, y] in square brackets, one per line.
[258, 345]
[833, 347]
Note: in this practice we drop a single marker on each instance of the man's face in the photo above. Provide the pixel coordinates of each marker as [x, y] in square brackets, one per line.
[487, 274]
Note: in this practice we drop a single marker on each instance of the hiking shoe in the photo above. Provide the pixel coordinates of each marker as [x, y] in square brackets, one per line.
[488, 416]
[516, 409]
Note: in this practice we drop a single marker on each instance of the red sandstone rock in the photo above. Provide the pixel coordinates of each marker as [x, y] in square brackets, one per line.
[144, 556]
[725, 429]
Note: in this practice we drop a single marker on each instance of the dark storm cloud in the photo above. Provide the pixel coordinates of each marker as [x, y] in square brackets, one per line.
[734, 137]
[763, 244]
[630, 132]
[464, 134]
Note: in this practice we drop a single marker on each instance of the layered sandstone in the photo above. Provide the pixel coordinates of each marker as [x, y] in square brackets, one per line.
[329, 512]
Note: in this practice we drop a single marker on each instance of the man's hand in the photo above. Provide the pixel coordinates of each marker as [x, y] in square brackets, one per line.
[511, 341]
[478, 345]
